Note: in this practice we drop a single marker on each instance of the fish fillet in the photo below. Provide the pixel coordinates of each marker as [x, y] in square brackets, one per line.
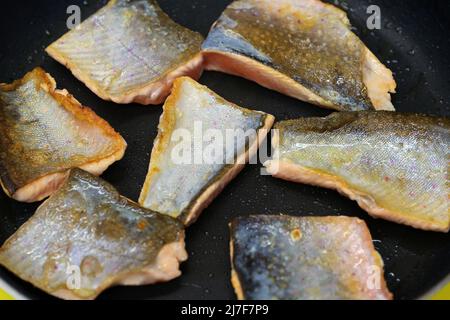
[44, 132]
[86, 238]
[394, 165]
[182, 188]
[302, 48]
[305, 258]
[130, 51]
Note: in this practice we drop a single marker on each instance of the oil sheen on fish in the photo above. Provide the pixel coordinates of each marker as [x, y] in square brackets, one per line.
[44, 132]
[394, 165]
[305, 258]
[86, 238]
[130, 51]
[301, 48]
[203, 142]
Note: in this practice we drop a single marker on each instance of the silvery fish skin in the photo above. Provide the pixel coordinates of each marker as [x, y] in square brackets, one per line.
[182, 188]
[302, 48]
[44, 132]
[130, 51]
[305, 258]
[395, 165]
[87, 230]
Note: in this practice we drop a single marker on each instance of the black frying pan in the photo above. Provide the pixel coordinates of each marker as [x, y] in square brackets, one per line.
[414, 42]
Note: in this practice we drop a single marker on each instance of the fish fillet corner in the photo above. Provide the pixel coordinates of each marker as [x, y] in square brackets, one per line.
[45, 132]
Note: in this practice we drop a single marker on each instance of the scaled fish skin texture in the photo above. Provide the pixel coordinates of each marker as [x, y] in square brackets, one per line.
[395, 165]
[184, 189]
[305, 258]
[87, 229]
[130, 51]
[44, 132]
[302, 48]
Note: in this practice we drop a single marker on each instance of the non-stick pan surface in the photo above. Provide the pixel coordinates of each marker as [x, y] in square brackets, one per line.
[414, 41]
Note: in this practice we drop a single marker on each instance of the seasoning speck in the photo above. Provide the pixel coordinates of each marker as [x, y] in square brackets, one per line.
[296, 234]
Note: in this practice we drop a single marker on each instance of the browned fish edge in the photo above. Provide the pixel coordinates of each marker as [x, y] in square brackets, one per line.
[367, 238]
[296, 173]
[52, 181]
[229, 172]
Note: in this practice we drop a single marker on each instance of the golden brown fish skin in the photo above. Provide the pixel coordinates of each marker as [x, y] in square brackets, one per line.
[87, 226]
[394, 165]
[184, 190]
[44, 132]
[305, 258]
[304, 49]
[144, 52]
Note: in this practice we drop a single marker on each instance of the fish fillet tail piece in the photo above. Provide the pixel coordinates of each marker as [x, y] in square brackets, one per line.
[394, 165]
[182, 189]
[86, 238]
[44, 132]
[305, 258]
[130, 51]
[305, 50]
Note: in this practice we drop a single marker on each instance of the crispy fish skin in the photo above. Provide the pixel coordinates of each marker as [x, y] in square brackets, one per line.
[183, 190]
[305, 258]
[301, 48]
[130, 51]
[394, 165]
[44, 132]
[87, 227]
